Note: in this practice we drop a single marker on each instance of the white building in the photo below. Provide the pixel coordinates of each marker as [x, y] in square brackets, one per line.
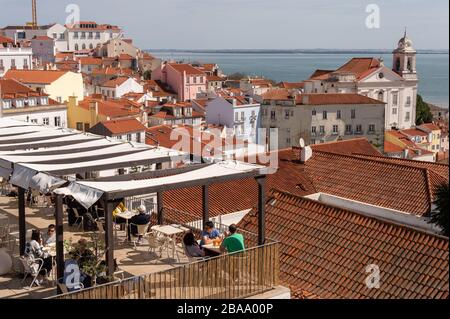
[87, 35]
[237, 112]
[321, 118]
[14, 56]
[397, 87]
[19, 102]
[120, 86]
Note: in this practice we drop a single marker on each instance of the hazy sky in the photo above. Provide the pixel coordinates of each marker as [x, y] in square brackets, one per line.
[253, 24]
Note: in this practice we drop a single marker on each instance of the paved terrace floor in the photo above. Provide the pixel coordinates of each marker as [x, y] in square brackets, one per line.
[132, 262]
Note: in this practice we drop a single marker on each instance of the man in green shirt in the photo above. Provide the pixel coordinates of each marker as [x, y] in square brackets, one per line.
[233, 242]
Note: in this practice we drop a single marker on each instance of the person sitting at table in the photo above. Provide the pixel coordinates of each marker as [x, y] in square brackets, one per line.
[118, 210]
[51, 235]
[142, 218]
[209, 234]
[233, 241]
[192, 247]
[34, 249]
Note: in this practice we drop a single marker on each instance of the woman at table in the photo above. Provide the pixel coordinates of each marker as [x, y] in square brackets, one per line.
[209, 234]
[192, 247]
[34, 249]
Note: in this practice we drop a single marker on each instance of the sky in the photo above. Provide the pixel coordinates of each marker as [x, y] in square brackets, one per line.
[253, 24]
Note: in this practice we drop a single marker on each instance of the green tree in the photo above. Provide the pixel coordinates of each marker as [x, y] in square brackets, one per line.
[439, 216]
[423, 112]
[147, 75]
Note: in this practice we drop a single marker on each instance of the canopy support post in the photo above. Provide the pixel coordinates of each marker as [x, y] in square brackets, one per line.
[109, 238]
[205, 203]
[59, 238]
[261, 180]
[22, 225]
[160, 207]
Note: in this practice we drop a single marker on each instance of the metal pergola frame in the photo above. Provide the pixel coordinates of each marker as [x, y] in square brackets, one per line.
[111, 199]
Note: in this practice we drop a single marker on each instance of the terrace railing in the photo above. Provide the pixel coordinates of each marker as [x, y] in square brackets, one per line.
[229, 276]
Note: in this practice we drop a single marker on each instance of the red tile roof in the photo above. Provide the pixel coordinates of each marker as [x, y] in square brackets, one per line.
[12, 89]
[115, 82]
[189, 69]
[42, 38]
[360, 67]
[320, 74]
[430, 126]
[414, 132]
[392, 148]
[90, 61]
[325, 251]
[123, 126]
[112, 108]
[5, 40]
[348, 147]
[291, 85]
[335, 99]
[34, 76]
[278, 95]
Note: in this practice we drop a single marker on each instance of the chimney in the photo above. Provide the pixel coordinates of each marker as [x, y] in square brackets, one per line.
[405, 153]
[250, 100]
[93, 111]
[305, 154]
[234, 102]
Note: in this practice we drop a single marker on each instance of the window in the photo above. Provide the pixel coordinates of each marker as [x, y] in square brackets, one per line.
[77, 47]
[408, 101]
[338, 114]
[91, 35]
[195, 80]
[314, 112]
[79, 126]
[201, 79]
[34, 121]
[242, 116]
[288, 141]
[236, 116]
[272, 115]
[13, 63]
[83, 46]
[46, 121]
[57, 121]
[91, 46]
[55, 36]
[359, 128]
[286, 114]
[371, 128]
[348, 129]
[322, 129]
[395, 98]
[335, 129]
[86, 127]
[188, 79]
[97, 35]
[381, 96]
[75, 35]
[408, 116]
[394, 111]
[62, 36]
[1, 64]
[313, 130]
[353, 115]
[83, 35]
[129, 137]
[138, 137]
[325, 115]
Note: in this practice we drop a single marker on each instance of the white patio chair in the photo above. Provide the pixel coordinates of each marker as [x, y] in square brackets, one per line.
[142, 231]
[63, 287]
[32, 267]
[155, 243]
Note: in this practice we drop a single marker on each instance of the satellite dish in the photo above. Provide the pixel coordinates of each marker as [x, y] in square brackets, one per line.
[302, 143]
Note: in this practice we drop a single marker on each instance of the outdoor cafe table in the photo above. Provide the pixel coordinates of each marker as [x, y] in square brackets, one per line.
[215, 250]
[127, 215]
[170, 231]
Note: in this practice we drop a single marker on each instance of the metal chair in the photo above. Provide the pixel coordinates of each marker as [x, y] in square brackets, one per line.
[155, 243]
[32, 267]
[79, 218]
[64, 289]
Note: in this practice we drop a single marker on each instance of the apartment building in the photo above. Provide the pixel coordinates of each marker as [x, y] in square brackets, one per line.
[175, 113]
[321, 118]
[130, 130]
[19, 102]
[87, 35]
[14, 56]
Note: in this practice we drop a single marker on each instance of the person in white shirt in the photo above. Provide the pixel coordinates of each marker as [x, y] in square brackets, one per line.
[51, 235]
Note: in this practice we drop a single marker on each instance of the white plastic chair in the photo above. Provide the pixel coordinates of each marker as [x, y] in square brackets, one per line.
[155, 243]
[142, 231]
[32, 267]
[63, 287]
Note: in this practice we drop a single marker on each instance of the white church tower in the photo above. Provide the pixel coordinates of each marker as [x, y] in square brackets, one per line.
[404, 63]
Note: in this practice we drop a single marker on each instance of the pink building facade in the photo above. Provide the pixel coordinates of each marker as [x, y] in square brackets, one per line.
[185, 80]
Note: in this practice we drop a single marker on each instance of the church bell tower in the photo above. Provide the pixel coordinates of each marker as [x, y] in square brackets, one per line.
[404, 63]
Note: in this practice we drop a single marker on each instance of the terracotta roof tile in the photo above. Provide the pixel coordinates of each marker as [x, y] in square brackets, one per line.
[189, 69]
[335, 99]
[34, 76]
[122, 126]
[325, 251]
[352, 146]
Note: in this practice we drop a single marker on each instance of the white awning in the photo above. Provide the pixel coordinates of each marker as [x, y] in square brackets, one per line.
[87, 193]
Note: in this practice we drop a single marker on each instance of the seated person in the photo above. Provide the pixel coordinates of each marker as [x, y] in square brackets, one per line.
[142, 218]
[51, 235]
[119, 209]
[34, 250]
[209, 234]
[192, 247]
[233, 241]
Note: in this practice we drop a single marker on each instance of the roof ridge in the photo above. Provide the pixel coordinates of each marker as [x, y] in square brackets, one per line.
[403, 159]
[373, 218]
